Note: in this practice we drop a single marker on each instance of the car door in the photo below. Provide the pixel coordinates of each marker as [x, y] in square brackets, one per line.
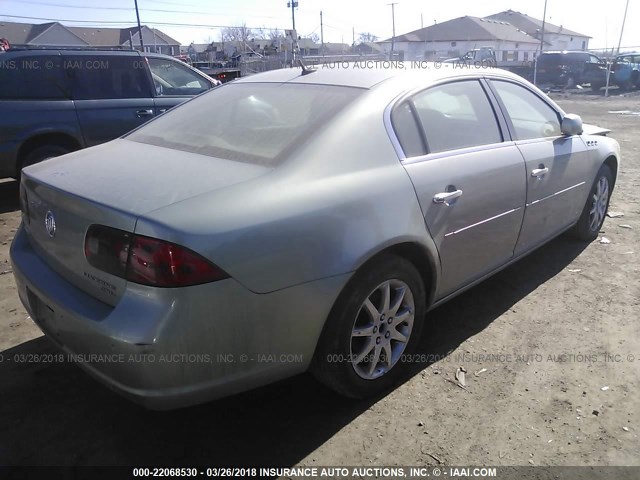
[111, 93]
[557, 166]
[174, 82]
[468, 178]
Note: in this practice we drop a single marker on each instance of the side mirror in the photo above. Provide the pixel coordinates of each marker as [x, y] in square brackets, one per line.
[571, 125]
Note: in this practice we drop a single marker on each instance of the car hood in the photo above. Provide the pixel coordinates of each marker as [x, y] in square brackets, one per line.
[138, 178]
[588, 129]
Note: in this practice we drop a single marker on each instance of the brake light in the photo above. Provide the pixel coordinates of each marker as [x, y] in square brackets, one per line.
[146, 260]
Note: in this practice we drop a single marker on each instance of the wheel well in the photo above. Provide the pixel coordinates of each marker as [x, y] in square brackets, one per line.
[418, 256]
[612, 163]
[60, 139]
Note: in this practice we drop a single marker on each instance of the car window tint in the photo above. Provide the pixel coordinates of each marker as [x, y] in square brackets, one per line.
[102, 77]
[407, 130]
[29, 77]
[248, 122]
[172, 78]
[530, 115]
[456, 115]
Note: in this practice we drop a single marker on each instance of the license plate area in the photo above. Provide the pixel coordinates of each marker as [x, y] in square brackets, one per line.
[42, 313]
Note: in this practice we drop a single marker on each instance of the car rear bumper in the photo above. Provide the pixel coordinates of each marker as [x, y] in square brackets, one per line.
[169, 348]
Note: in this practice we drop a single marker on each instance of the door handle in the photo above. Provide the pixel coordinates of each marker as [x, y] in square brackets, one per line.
[447, 197]
[144, 113]
[539, 172]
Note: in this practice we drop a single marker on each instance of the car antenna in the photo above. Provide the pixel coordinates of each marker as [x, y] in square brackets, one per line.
[305, 70]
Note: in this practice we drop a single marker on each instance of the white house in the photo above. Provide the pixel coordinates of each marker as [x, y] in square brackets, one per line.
[460, 35]
[555, 37]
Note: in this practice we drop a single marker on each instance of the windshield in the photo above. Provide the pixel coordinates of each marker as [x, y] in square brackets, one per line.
[249, 122]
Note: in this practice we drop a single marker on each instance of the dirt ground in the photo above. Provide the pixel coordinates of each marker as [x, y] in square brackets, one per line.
[551, 347]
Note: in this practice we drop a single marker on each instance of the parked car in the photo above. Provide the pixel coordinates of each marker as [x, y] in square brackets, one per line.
[56, 101]
[626, 70]
[292, 221]
[569, 69]
[478, 57]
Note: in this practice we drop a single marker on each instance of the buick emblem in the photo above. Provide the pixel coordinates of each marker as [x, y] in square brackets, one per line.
[50, 223]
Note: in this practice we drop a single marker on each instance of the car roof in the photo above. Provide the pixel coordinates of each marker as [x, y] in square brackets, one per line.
[368, 74]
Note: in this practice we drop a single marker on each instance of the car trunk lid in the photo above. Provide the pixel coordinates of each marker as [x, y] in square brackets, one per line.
[111, 185]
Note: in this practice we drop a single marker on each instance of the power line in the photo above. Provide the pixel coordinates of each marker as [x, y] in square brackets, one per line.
[125, 22]
[130, 9]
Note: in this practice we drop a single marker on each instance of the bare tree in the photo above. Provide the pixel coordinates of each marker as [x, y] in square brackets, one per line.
[274, 34]
[313, 37]
[367, 37]
[237, 34]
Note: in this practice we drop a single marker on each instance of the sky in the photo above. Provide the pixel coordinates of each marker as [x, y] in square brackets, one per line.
[199, 18]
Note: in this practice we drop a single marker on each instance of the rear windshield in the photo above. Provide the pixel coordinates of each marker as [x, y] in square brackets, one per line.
[254, 122]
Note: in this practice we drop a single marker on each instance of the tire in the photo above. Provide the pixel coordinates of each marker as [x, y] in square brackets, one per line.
[596, 86]
[595, 209]
[42, 153]
[626, 85]
[356, 366]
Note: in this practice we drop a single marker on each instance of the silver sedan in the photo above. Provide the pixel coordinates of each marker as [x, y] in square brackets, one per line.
[298, 220]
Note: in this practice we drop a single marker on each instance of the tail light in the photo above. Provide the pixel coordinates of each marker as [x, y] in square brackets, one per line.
[146, 260]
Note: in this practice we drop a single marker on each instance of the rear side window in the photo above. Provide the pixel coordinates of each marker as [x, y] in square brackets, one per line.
[102, 77]
[456, 115]
[407, 130]
[33, 78]
[257, 123]
[531, 116]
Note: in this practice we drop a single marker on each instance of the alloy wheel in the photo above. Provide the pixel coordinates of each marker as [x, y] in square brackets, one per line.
[382, 329]
[599, 204]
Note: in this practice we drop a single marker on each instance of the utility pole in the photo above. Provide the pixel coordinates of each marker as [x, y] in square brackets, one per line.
[624, 19]
[535, 66]
[294, 34]
[353, 36]
[139, 27]
[321, 35]
[293, 5]
[393, 20]
[421, 21]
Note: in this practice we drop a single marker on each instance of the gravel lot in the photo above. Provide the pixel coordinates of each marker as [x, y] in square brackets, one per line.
[551, 347]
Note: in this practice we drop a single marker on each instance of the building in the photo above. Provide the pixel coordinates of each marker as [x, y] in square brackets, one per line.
[513, 35]
[456, 37]
[555, 37]
[55, 34]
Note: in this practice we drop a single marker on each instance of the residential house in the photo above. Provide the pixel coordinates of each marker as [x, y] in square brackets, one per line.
[369, 48]
[55, 34]
[337, 48]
